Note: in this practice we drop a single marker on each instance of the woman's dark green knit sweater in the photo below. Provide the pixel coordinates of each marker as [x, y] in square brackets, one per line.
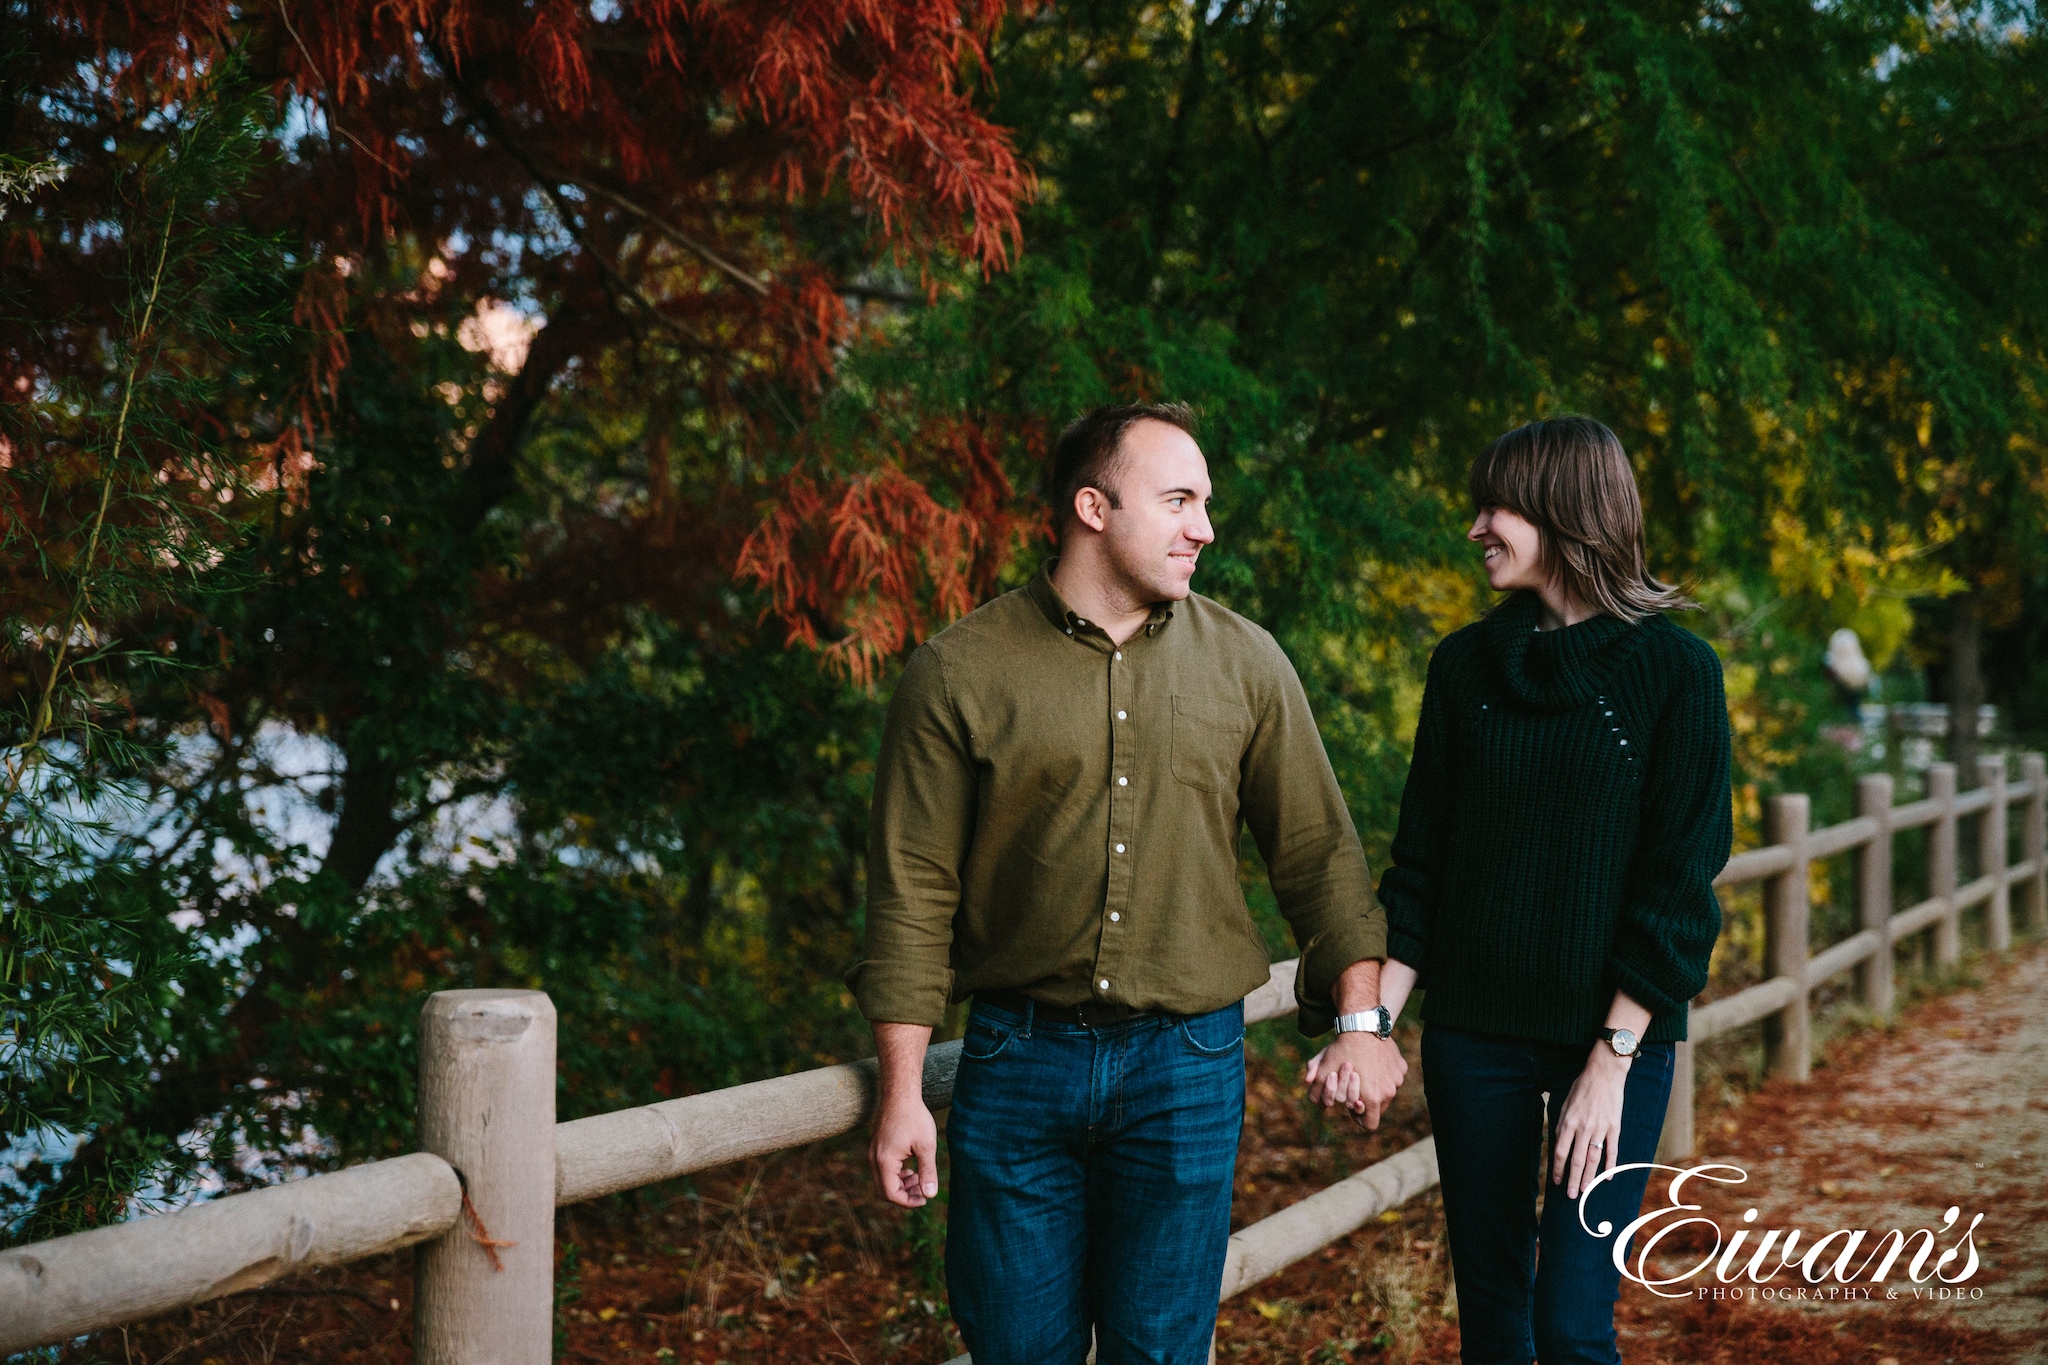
[1565, 816]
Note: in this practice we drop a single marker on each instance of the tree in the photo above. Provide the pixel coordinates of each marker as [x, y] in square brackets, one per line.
[1958, 392]
[575, 276]
[116, 509]
[1370, 238]
[654, 340]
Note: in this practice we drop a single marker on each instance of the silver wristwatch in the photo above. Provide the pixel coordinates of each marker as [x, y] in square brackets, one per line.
[1623, 1041]
[1375, 1021]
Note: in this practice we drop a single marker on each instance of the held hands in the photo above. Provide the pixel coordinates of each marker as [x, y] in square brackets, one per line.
[1589, 1130]
[904, 1152]
[1360, 1071]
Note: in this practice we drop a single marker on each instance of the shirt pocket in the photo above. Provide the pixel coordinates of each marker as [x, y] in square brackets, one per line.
[1209, 738]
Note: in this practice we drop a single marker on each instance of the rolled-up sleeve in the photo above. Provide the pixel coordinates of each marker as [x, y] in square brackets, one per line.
[1670, 917]
[1291, 803]
[919, 830]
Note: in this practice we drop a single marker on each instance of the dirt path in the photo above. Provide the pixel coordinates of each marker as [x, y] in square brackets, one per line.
[1946, 1109]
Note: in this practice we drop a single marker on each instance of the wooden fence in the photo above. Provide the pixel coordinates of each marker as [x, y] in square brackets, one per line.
[481, 1195]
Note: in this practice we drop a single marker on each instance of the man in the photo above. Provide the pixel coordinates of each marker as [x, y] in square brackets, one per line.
[1062, 780]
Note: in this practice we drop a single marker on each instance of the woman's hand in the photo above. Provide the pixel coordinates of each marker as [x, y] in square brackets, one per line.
[1589, 1130]
[1360, 1071]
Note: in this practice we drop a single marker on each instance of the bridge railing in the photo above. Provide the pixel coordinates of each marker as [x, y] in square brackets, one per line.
[495, 1165]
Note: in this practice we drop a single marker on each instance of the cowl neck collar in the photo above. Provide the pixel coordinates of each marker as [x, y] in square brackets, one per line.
[1557, 670]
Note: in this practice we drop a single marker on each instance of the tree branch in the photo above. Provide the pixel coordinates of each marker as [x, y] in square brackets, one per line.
[1948, 149]
[663, 226]
[493, 455]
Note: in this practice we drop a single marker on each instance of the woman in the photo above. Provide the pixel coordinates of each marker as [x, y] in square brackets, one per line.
[1551, 886]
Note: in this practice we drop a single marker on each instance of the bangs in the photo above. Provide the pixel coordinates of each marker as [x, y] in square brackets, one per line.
[1506, 474]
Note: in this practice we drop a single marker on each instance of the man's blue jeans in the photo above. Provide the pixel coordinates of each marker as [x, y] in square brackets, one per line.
[1091, 1177]
[1486, 1110]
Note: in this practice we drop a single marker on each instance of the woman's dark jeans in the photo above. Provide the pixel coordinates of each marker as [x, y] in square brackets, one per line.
[1486, 1109]
[1091, 1177]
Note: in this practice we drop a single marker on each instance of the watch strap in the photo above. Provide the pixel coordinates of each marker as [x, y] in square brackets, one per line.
[1376, 1021]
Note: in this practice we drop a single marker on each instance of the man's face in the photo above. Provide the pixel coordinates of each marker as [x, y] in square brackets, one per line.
[1154, 539]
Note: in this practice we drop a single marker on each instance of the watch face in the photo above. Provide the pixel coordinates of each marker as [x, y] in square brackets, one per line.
[1624, 1042]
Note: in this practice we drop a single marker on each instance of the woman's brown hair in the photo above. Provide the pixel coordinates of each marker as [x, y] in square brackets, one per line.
[1570, 478]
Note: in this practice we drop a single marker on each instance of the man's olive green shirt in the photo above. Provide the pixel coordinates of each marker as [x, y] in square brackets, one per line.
[1059, 815]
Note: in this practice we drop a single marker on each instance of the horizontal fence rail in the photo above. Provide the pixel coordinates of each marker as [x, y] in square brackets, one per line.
[480, 1199]
[1783, 1001]
[52, 1291]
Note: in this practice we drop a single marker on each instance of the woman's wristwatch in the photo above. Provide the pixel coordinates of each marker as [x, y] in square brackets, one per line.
[1622, 1040]
[1375, 1021]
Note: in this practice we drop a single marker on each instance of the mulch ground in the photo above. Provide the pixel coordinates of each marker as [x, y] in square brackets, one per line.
[794, 1259]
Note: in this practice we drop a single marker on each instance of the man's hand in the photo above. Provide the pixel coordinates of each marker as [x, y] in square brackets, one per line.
[904, 1151]
[1360, 1071]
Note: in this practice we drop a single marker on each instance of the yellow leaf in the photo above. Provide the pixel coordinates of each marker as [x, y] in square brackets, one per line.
[1269, 1311]
[607, 1314]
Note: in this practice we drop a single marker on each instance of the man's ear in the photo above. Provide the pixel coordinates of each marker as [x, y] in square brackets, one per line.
[1091, 508]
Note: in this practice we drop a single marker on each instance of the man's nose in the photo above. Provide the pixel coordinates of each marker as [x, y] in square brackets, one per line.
[1202, 533]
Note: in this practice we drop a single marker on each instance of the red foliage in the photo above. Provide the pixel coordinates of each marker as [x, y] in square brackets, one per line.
[658, 98]
[685, 168]
[883, 534]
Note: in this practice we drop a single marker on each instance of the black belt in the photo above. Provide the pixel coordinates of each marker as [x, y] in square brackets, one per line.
[1089, 1014]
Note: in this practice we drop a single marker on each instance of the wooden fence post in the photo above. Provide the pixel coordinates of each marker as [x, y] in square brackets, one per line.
[1991, 859]
[1874, 891]
[2034, 840]
[1788, 1039]
[484, 1291]
[1941, 864]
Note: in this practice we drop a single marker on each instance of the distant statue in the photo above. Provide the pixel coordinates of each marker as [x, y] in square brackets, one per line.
[1846, 661]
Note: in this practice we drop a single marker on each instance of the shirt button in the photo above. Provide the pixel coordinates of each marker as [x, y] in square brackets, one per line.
[1070, 630]
[1103, 984]
[1119, 848]
[1123, 781]
[1114, 917]
[1119, 654]
[1122, 715]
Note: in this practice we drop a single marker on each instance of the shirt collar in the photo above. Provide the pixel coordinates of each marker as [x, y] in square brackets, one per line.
[1062, 616]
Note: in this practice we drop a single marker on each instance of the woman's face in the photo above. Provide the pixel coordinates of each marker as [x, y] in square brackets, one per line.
[1513, 549]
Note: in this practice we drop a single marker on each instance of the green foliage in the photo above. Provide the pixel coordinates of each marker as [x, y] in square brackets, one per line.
[411, 719]
[1365, 240]
[118, 511]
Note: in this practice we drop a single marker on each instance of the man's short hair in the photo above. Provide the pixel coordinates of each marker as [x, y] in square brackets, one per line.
[1088, 453]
